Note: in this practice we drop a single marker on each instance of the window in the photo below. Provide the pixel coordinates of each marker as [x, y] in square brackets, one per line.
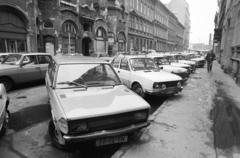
[44, 59]
[124, 64]
[116, 62]
[30, 60]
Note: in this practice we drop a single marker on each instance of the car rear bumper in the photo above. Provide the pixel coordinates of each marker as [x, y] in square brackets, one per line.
[105, 133]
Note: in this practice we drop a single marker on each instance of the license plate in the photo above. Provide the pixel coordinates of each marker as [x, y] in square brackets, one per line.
[111, 140]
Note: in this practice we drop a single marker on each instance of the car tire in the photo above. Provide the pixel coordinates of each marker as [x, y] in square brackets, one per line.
[5, 124]
[53, 135]
[137, 88]
[8, 83]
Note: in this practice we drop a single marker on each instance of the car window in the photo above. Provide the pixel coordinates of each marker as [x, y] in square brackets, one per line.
[90, 75]
[44, 59]
[116, 62]
[30, 60]
[12, 59]
[124, 64]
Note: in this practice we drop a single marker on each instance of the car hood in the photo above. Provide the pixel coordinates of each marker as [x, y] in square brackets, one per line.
[198, 59]
[180, 65]
[173, 69]
[98, 101]
[187, 62]
[6, 66]
[158, 76]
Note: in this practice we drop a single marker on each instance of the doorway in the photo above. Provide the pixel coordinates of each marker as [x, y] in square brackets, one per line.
[86, 46]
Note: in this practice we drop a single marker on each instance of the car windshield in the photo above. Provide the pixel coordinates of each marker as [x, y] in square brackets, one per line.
[86, 75]
[161, 61]
[12, 59]
[139, 64]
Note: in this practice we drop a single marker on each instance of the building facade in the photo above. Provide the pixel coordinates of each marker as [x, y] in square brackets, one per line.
[227, 37]
[88, 27]
[152, 26]
[181, 9]
[17, 25]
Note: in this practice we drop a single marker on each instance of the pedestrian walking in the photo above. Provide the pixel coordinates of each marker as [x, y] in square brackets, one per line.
[209, 58]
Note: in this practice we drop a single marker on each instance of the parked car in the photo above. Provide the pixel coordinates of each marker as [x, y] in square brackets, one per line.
[3, 56]
[200, 60]
[4, 113]
[183, 59]
[173, 62]
[21, 68]
[140, 74]
[164, 64]
[89, 103]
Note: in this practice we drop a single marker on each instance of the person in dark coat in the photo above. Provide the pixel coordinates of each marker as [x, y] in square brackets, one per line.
[210, 58]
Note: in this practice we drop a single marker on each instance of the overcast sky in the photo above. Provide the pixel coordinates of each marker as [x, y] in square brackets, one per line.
[202, 14]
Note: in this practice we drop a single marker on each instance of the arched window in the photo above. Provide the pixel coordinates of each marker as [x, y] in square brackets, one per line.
[68, 27]
[48, 24]
[69, 35]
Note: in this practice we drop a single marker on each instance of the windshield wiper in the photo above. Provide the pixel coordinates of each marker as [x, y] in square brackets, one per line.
[73, 83]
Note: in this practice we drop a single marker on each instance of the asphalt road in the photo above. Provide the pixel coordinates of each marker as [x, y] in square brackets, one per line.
[27, 134]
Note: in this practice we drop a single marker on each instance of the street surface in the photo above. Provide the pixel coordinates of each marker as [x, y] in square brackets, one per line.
[202, 122]
[27, 136]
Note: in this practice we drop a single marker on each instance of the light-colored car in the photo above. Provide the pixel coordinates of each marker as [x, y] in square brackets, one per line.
[183, 59]
[200, 60]
[21, 68]
[164, 64]
[173, 62]
[140, 74]
[89, 103]
[4, 113]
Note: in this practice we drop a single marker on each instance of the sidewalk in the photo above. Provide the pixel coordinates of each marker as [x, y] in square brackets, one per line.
[181, 127]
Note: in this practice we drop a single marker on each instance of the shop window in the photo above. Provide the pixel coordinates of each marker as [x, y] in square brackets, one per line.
[12, 45]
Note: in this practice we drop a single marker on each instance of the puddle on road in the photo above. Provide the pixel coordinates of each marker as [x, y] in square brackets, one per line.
[226, 118]
[29, 116]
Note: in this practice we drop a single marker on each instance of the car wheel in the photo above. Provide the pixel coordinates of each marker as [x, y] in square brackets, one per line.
[8, 83]
[137, 88]
[55, 137]
[4, 126]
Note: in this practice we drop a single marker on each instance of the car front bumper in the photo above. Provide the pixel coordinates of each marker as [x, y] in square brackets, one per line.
[167, 91]
[105, 133]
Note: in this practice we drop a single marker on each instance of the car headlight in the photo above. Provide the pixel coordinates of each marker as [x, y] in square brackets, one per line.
[179, 85]
[156, 85]
[140, 116]
[63, 125]
[163, 87]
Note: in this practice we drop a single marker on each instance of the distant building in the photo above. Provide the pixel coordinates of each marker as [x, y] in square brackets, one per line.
[181, 9]
[151, 25]
[200, 46]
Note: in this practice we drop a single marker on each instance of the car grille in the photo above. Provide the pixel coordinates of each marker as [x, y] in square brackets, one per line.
[105, 122]
[171, 84]
[183, 75]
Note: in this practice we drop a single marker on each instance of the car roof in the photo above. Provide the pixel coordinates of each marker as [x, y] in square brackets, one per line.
[31, 53]
[130, 56]
[77, 60]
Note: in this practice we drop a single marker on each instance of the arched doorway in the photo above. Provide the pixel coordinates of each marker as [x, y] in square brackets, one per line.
[121, 42]
[13, 30]
[87, 46]
[101, 37]
[69, 37]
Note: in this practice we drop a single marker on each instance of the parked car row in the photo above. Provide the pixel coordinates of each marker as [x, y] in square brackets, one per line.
[93, 99]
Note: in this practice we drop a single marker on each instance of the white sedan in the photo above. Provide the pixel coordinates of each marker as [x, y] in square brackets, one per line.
[89, 103]
[140, 74]
[4, 113]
